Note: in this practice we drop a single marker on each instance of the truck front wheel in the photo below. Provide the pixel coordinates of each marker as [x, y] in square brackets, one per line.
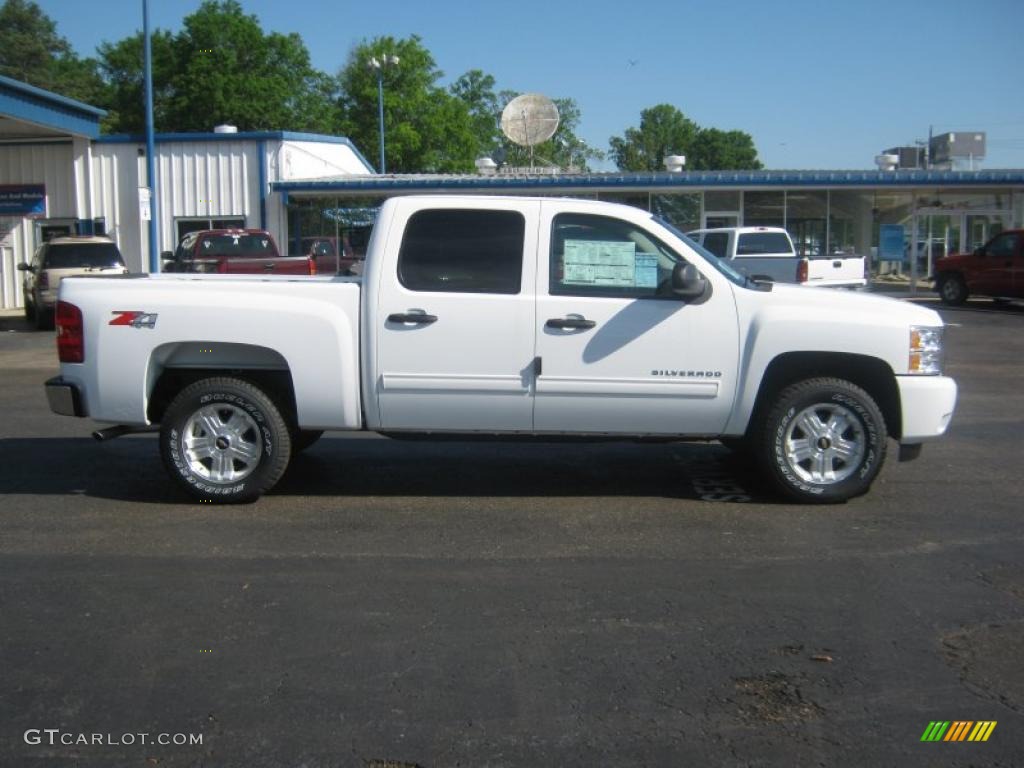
[952, 289]
[224, 441]
[824, 441]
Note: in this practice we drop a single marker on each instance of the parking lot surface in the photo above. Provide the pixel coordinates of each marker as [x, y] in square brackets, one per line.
[463, 604]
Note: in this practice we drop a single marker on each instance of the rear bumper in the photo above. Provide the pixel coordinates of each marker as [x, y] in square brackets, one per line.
[927, 403]
[64, 397]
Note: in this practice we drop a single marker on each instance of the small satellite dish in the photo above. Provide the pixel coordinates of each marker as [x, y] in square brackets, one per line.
[529, 119]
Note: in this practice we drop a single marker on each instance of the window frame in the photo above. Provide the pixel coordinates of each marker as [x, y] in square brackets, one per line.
[410, 284]
[662, 291]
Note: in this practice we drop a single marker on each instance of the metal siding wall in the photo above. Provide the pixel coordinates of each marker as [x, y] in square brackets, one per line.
[115, 180]
[204, 179]
[49, 164]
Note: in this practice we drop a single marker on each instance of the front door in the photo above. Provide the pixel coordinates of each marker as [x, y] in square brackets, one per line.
[455, 333]
[618, 352]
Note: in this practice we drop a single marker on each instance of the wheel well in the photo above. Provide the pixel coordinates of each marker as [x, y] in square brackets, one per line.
[276, 383]
[872, 375]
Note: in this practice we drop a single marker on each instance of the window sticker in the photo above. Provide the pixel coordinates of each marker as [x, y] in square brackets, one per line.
[646, 270]
[600, 263]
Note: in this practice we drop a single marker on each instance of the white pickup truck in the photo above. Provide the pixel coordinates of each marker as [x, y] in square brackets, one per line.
[767, 253]
[508, 317]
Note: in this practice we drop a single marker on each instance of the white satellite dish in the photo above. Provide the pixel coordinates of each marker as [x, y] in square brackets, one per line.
[529, 119]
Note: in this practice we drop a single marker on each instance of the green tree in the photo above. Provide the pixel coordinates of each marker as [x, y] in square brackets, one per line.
[476, 90]
[664, 130]
[717, 150]
[32, 51]
[123, 98]
[220, 68]
[427, 129]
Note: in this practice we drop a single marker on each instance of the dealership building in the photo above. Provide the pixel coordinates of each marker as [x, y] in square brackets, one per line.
[58, 175]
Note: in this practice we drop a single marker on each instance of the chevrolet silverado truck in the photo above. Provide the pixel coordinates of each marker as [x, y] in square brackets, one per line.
[234, 251]
[504, 318]
[767, 253]
[995, 269]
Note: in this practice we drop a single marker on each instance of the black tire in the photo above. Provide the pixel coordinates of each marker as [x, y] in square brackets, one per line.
[796, 427]
[952, 290]
[30, 311]
[304, 438]
[241, 419]
[43, 317]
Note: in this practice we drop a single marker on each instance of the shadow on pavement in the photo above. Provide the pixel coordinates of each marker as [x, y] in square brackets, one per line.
[129, 469]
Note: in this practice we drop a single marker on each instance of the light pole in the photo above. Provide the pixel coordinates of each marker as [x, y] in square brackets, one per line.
[378, 66]
[154, 255]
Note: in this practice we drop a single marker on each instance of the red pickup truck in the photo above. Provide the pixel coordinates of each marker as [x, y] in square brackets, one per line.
[234, 251]
[995, 269]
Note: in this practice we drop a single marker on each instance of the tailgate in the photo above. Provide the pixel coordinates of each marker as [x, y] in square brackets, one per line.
[836, 270]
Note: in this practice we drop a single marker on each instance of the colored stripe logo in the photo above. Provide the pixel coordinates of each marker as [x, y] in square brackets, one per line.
[958, 730]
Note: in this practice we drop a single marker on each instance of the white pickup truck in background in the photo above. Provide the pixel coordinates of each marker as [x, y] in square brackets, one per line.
[509, 317]
[767, 253]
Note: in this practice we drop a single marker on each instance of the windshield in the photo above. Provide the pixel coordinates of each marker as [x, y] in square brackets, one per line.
[709, 257]
[237, 245]
[82, 256]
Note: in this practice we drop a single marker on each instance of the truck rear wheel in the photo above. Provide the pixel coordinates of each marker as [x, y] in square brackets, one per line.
[824, 441]
[224, 441]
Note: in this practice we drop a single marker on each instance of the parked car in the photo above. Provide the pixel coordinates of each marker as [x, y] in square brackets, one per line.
[59, 258]
[234, 251]
[767, 253]
[488, 317]
[995, 269]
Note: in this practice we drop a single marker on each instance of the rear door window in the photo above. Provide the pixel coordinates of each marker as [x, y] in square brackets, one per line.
[717, 243]
[463, 251]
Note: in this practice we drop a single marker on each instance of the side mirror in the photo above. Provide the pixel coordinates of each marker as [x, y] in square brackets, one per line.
[23, 267]
[687, 282]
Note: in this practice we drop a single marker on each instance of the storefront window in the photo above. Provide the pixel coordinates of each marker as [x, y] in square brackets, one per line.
[721, 200]
[764, 209]
[682, 210]
[806, 220]
[640, 200]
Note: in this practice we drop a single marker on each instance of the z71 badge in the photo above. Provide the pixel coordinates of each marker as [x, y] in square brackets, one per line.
[135, 319]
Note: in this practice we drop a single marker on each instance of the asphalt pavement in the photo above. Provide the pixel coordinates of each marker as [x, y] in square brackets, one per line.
[397, 604]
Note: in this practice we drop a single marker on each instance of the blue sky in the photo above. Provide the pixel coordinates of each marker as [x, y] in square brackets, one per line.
[817, 84]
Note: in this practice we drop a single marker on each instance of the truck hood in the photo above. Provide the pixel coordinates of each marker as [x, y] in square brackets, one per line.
[831, 302]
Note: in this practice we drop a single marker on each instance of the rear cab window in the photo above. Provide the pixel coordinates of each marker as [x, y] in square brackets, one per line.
[763, 244]
[463, 251]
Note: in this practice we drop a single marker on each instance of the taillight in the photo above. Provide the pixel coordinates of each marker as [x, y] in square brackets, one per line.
[222, 266]
[801, 271]
[312, 265]
[70, 334]
[44, 280]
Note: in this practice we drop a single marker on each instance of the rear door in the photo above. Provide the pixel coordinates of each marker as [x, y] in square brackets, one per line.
[455, 324]
[618, 352]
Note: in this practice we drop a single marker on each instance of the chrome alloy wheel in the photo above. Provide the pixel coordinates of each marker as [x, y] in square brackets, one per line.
[222, 443]
[825, 444]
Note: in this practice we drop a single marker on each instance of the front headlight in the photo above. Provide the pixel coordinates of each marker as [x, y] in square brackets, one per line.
[925, 350]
